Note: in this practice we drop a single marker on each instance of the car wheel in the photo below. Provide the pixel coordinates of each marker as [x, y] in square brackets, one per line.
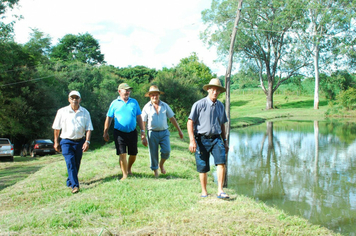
[33, 154]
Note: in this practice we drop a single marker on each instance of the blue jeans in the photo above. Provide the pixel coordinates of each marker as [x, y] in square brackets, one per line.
[205, 146]
[156, 139]
[72, 152]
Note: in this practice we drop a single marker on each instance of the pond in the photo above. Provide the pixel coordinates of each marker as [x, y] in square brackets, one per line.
[305, 168]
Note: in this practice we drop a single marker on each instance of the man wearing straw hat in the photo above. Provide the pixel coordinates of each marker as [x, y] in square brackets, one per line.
[207, 135]
[155, 114]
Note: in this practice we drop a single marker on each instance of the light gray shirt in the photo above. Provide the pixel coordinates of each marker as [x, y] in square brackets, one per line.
[156, 121]
[207, 116]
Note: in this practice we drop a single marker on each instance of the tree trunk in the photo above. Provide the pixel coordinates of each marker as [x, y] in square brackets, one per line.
[317, 79]
[227, 81]
[269, 96]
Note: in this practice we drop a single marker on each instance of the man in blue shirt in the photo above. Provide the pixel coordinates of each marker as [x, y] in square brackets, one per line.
[127, 114]
[206, 128]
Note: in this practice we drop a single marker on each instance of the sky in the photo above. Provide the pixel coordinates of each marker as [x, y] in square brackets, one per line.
[155, 34]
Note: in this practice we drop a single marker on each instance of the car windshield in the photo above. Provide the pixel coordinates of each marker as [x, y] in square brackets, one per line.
[44, 141]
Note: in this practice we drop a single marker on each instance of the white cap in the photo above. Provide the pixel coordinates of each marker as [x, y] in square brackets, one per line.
[75, 93]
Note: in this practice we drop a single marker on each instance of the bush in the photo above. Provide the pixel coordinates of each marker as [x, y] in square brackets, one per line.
[347, 98]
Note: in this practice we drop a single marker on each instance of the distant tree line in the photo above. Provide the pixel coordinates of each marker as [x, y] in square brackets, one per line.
[35, 78]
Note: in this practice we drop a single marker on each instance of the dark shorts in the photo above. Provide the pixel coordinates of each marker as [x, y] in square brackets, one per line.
[205, 147]
[125, 142]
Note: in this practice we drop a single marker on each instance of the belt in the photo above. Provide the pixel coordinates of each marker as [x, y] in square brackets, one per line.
[209, 136]
[76, 140]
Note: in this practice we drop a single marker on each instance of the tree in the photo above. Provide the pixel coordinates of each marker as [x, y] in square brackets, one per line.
[6, 30]
[83, 48]
[5, 4]
[263, 39]
[194, 71]
[26, 99]
[138, 74]
[39, 46]
[325, 29]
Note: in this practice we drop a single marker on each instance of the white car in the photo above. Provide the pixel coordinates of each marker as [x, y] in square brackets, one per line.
[6, 149]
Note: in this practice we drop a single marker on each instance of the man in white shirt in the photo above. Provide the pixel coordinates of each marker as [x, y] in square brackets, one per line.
[75, 123]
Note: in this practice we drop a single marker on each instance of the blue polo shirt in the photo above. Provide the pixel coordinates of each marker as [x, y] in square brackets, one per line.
[124, 114]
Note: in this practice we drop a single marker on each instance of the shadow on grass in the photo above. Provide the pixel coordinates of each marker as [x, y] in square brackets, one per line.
[238, 103]
[246, 121]
[21, 168]
[95, 182]
[11, 175]
[303, 104]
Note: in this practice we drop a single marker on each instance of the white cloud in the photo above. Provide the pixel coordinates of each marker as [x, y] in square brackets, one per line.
[155, 33]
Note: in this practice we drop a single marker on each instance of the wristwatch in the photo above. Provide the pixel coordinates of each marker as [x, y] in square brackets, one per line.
[87, 141]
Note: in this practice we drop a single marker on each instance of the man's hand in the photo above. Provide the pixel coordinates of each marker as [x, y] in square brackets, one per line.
[57, 147]
[192, 146]
[85, 147]
[144, 141]
[106, 136]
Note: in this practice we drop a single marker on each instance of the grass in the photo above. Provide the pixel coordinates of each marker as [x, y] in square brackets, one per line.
[37, 201]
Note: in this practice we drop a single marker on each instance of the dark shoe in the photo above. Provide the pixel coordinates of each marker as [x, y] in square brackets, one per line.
[75, 190]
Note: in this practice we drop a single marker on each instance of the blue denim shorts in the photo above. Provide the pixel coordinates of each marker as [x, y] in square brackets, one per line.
[205, 147]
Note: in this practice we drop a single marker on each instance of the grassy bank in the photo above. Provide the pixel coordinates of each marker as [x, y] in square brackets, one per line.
[141, 205]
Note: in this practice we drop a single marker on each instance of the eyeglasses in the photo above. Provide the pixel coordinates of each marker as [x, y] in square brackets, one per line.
[74, 97]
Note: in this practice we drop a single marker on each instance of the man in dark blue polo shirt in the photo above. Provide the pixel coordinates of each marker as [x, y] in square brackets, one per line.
[206, 130]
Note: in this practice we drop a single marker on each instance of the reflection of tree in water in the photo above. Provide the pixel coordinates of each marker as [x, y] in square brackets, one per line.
[272, 179]
[308, 173]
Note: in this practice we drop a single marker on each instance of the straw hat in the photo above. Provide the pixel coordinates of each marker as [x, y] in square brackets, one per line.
[153, 89]
[214, 83]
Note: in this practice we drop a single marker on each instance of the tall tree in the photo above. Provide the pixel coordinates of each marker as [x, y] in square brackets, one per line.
[83, 47]
[39, 46]
[324, 29]
[263, 38]
[194, 71]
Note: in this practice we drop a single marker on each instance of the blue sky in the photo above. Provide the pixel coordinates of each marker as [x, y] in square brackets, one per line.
[155, 33]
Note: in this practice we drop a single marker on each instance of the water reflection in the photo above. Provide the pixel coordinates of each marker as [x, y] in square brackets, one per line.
[305, 168]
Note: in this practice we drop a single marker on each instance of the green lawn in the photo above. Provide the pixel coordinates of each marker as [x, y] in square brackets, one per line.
[36, 201]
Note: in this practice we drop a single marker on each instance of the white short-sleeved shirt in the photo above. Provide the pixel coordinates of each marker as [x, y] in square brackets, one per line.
[73, 124]
[156, 121]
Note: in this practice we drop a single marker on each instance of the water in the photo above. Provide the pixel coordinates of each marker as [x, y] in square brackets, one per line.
[306, 168]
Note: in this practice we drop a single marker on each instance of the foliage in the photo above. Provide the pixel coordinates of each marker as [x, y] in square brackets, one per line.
[263, 38]
[26, 103]
[334, 84]
[137, 74]
[38, 46]
[82, 47]
[194, 71]
[245, 78]
[179, 95]
[5, 4]
[347, 98]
